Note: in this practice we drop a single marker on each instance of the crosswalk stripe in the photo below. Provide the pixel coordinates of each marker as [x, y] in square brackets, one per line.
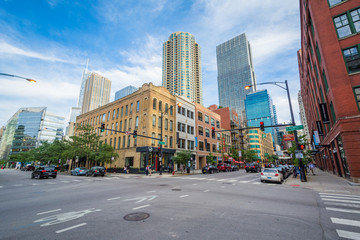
[221, 180]
[348, 222]
[340, 200]
[338, 197]
[348, 235]
[342, 204]
[244, 181]
[342, 195]
[343, 210]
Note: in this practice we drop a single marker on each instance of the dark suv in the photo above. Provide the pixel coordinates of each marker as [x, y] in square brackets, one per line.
[252, 167]
[44, 172]
[96, 171]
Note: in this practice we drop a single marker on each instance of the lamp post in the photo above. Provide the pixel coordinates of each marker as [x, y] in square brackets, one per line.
[10, 75]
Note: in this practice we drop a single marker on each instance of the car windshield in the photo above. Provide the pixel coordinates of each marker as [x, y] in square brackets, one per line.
[270, 170]
[49, 168]
[82, 168]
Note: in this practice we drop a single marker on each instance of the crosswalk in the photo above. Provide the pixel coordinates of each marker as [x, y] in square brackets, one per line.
[255, 181]
[344, 211]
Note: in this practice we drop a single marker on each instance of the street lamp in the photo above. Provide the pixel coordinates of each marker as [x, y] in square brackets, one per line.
[27, 79]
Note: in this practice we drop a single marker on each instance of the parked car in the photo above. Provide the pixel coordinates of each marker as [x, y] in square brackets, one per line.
[44, 172]
[252, 167]
[79, 171]
[235, 168]
[96, 171]
[210, 169]
[29, 168]
[283, 171]
[223, 167]
[271, 175]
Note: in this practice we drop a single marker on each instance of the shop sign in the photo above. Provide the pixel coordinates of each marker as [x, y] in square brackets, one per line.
[319, 127]
[324, 113]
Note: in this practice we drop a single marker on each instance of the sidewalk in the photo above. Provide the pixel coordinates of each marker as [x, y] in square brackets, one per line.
[325, 182]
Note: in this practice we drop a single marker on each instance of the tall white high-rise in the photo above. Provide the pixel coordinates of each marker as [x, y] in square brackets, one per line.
[181, 70]
[84, 77]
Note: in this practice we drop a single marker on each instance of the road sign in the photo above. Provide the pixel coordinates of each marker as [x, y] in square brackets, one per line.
[292, 128]
[299, 154]
[127, 133]
[162, 143]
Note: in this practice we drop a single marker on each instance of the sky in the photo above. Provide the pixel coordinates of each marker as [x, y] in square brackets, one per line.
[51, 40]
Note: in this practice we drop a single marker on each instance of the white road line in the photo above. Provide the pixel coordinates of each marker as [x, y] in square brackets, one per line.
[115, 177]
[342, 204]
[1, 186]
[244, 181]
[150, 191]
[221, 180]
[340, 200]
[113, 198]
[50, 183]
[195, 184]
[232, 180]
[222, 186]
[206, 191]
[35, 184]
[75, 180]
[343, 210]
[55, 210]
[183, 196]
[257, 183]
[69, 228]
[348, 235]
[17, 185]
[342, 195]
[147, 205]
[65, 181]
[338, 197]
[348, 222]
[212, 179]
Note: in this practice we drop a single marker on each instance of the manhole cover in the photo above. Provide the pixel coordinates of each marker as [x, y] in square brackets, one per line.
[163, 185]
[176, 189]
[136, 216]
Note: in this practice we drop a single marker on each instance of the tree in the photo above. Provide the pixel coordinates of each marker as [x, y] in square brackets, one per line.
[248, 155]
[105, 154]
[210, 159]
[181, 157]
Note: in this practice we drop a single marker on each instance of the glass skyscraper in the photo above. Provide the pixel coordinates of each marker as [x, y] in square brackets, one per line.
[181, 70]
[235, 72]
[259, 108]
[125, 92]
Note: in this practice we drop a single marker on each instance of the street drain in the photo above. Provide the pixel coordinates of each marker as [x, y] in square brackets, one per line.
[176, 189]
[136, 216]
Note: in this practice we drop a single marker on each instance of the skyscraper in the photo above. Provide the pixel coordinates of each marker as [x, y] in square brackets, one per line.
[259, 108]
[84, 77]
[182, 66]
[235, 72]
[125, 92]
[96, 92]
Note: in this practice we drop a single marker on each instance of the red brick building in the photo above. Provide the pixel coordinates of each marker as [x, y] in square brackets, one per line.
[329, 68]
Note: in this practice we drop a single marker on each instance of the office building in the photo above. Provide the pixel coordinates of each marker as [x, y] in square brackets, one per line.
[181, 70]
[235, 72]
[27, 128]
[125, 91]
[96, 92]
[329, 69]
[84, 77]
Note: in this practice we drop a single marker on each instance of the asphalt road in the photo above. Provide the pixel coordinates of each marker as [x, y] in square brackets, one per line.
[232, 205]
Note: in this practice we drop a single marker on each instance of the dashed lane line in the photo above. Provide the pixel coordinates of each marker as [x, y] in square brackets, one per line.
[144, 206]
[69, 228]
[150, 191]
[340, 200]
[110, 199]
[183, 196]
[50, 211]
[206, 190]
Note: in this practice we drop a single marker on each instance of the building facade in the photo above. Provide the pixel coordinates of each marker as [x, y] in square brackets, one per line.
[181, 69]
[261, 143]
[235, 72]
[259, 108]
[96, 92]
[329, 68]
[142, 111]
[27, 128]
[125, 91]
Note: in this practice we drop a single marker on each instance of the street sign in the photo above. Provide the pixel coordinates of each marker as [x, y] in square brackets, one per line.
[293, 128]
[162, 143]
[127, 133]
[299, 154]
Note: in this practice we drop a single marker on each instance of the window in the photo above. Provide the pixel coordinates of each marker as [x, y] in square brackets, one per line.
[117, 113]
[128, 144]
[154, 103]
[160, 105]
[318, 53]
[171, 141]
[183, 111]
[179, 126]
[153, 140]
[120, 127]
[166, 140]
[125, 124]
[332, 112]
[116, 127]
[154, 121]
[110, 142]
[352, 59]
[201, 146]
[355, 17]
[113, 114]
[107, 127]
[357, 96]
[171, 110]
[136, 122]
[171, 125]
[119, 143]
[137, 106]
[206, 119]
[131, 108]
[334, 2]
[201, 131]
[108, 118]
[114, 143]
[126, 110]
[179, 109]
[122, 112]
[325, 81]
[130, 123]
[135, 142]
[208, 147]
[166, 107]
[192, 115]
[207, 132]
[218, 136]
[123, 145]
[212, 122]
[214, 148]
[159, 122]
[166, 124]
[112, 128]
[103, 117]
[342, 25]
[200, 116]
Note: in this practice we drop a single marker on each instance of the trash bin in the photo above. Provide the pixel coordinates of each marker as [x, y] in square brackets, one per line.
[188, 170]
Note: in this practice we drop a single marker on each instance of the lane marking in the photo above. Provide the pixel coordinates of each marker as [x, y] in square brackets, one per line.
[348, 235]
[1, 186]
[222, 186]
[232, 180]
[342, 204]
[257, 183]
[55, 210]
[244, 181]
[150, 191]
[195, 184]
[342, 195]
[75, 180]
[35, 184]
[65, 181]
[206, 191]
[147, 205]
[50, 183]
[115, 177]
[183, 196]
[113, 198]
[17, 185]
[343, 210]
[221, 180]
[346, 222]
[338, 197]
[69, 228]
[212, 179]
[340, 200]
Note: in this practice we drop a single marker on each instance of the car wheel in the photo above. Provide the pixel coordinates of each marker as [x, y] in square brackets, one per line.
[211, 171]
[203, 172]
[77, 174]
[261, 180]
[54, 176]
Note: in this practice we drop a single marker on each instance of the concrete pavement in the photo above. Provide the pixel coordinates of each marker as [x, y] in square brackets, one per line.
[325, 182]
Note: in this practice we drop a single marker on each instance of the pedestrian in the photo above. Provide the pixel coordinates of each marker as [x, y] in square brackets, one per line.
[147, 170]
[311, 167]
[150, 170]
[128, 169]
[125, 170]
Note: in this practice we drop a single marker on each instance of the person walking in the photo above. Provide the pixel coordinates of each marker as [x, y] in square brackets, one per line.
[311, 167]
[147, 170]
[128, 169]
[125, 171]
[150, 170]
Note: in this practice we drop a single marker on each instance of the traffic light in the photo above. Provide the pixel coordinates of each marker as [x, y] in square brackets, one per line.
[135, 134]
[262, 126]
[102, 127]
[213, 132]
[301, 146]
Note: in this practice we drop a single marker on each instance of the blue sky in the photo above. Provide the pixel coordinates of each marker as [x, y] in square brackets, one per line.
[50, 41]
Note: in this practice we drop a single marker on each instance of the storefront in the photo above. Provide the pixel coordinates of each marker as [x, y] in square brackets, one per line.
[150, 156]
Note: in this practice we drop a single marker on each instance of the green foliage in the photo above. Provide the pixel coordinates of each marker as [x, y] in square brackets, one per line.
[248, 155]
[210, 159]
[182, 157]
[233, 153]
